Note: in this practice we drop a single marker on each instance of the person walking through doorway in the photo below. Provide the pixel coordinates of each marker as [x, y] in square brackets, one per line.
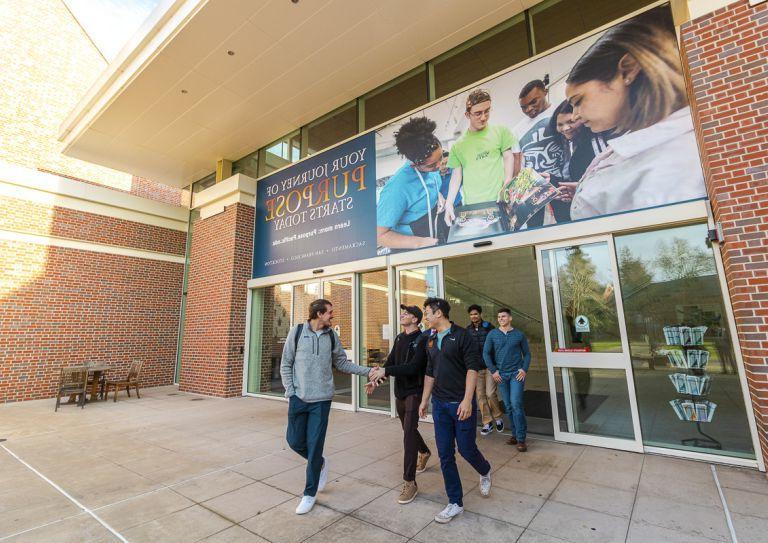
[487, 401]
[312, 349]
[451, 377]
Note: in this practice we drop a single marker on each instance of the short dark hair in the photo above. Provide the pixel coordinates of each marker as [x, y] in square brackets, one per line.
[475, 307]
[505, 310]
[477, 96]
[535, 84]
[415, 139]
[438, 303]
[318, 307]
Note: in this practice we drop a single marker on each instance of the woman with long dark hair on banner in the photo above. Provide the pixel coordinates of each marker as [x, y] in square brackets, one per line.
[579, 147]
[630, 82]
[406, 214]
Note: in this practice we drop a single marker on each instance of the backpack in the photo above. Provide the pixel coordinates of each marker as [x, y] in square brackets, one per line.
[300, 327]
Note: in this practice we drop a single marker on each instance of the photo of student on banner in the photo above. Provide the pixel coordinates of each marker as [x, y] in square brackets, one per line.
[630, 82]
[410, 206]
[578, 147]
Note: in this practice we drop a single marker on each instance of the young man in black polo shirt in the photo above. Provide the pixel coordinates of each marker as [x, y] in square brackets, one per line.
[452, 365]
[407, 363]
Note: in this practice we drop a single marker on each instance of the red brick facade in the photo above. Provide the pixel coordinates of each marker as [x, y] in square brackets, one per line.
[87, 307]
[726, 54]
[214, 331]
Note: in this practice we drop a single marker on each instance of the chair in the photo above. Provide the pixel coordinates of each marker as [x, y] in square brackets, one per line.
[73, 380]
[132, 380]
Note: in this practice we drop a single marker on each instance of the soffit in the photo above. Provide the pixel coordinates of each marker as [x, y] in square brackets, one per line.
[292, 63]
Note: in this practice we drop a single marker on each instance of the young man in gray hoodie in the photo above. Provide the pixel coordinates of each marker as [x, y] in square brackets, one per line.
[312, 349]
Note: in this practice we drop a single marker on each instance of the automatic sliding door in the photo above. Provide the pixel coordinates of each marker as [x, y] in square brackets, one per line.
[590, 372]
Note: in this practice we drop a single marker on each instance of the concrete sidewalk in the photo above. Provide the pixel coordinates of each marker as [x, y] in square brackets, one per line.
[179, 467]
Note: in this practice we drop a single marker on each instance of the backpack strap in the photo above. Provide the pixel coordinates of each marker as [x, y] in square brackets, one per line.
[297, 335]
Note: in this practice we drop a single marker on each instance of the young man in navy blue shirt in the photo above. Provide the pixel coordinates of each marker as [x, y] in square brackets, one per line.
[508, 358]
[451, 377]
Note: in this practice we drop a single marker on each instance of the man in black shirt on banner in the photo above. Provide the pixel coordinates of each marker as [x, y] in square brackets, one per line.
[407, 363]
[452, 365]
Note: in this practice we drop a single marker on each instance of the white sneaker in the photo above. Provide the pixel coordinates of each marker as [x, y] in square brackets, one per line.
[486, 429]
[447, 514]
[305, 505]
[485, 484]
[323, 477]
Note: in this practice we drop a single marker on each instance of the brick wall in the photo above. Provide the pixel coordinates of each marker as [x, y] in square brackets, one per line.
[63, 307]
[214, 332]
[726, 54]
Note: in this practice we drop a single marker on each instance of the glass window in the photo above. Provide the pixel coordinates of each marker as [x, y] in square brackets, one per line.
[689, 393]
[270, 323]
[248, 165]
[284, 151]
[578, 282]
[332, 129]
[468, 283]
[499, 49]
[339, 292]
[204, 183]
[396, 98]
[374, 333]
[557, 21]
[599, 402]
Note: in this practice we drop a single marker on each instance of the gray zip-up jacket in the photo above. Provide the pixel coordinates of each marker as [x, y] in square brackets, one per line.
[307, 371]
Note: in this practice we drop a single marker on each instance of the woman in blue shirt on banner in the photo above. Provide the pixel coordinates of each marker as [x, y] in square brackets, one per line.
[409, 203]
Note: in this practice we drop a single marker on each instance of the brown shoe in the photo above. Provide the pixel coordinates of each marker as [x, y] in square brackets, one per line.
[512, 441]
[408, 493]
[421, 462]
[522, 447]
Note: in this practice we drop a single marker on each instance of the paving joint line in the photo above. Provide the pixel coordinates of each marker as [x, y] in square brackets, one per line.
[66, 495]
[726, 511]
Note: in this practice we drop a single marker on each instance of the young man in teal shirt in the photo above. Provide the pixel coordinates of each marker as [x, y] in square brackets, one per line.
[508, 358]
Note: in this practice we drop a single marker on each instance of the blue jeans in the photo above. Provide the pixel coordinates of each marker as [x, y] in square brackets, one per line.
[512, 396]
[307, 424]
[449, 430]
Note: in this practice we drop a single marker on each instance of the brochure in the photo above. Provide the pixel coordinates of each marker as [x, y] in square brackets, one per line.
[525, 196]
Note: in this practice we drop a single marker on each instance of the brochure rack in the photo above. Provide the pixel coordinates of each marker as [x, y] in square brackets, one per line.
[694, 381]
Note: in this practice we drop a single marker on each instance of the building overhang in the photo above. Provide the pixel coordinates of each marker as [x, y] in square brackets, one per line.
[205, 80]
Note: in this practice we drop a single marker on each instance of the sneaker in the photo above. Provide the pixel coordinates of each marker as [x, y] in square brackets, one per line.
[486, 429]
[305, 505]
[446, 515]
[323, 480]
[499, 425]
[522, 447]
[485, 484]
[421, 462]
[408, 494]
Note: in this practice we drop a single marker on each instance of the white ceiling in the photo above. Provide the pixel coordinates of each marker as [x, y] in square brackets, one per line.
[292, 63]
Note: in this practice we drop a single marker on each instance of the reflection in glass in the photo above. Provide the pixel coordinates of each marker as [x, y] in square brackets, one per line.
[374, 337]
[248, 165]
[271, 321]
[284, 151]
[498, 49]
[332, 129]
[669, 280]
[418, 284]
[579, 282]
[595, 400]
[339, 293]
[468, 283]
[557, 21]
[395, 98]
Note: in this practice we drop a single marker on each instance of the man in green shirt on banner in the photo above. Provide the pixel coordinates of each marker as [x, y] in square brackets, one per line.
[482, 159]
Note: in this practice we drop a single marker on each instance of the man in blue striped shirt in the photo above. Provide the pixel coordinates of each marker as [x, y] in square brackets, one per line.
[508, 357]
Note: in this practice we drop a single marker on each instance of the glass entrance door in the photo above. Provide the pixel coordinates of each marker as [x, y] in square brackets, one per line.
[340, 292]
[592, 391]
